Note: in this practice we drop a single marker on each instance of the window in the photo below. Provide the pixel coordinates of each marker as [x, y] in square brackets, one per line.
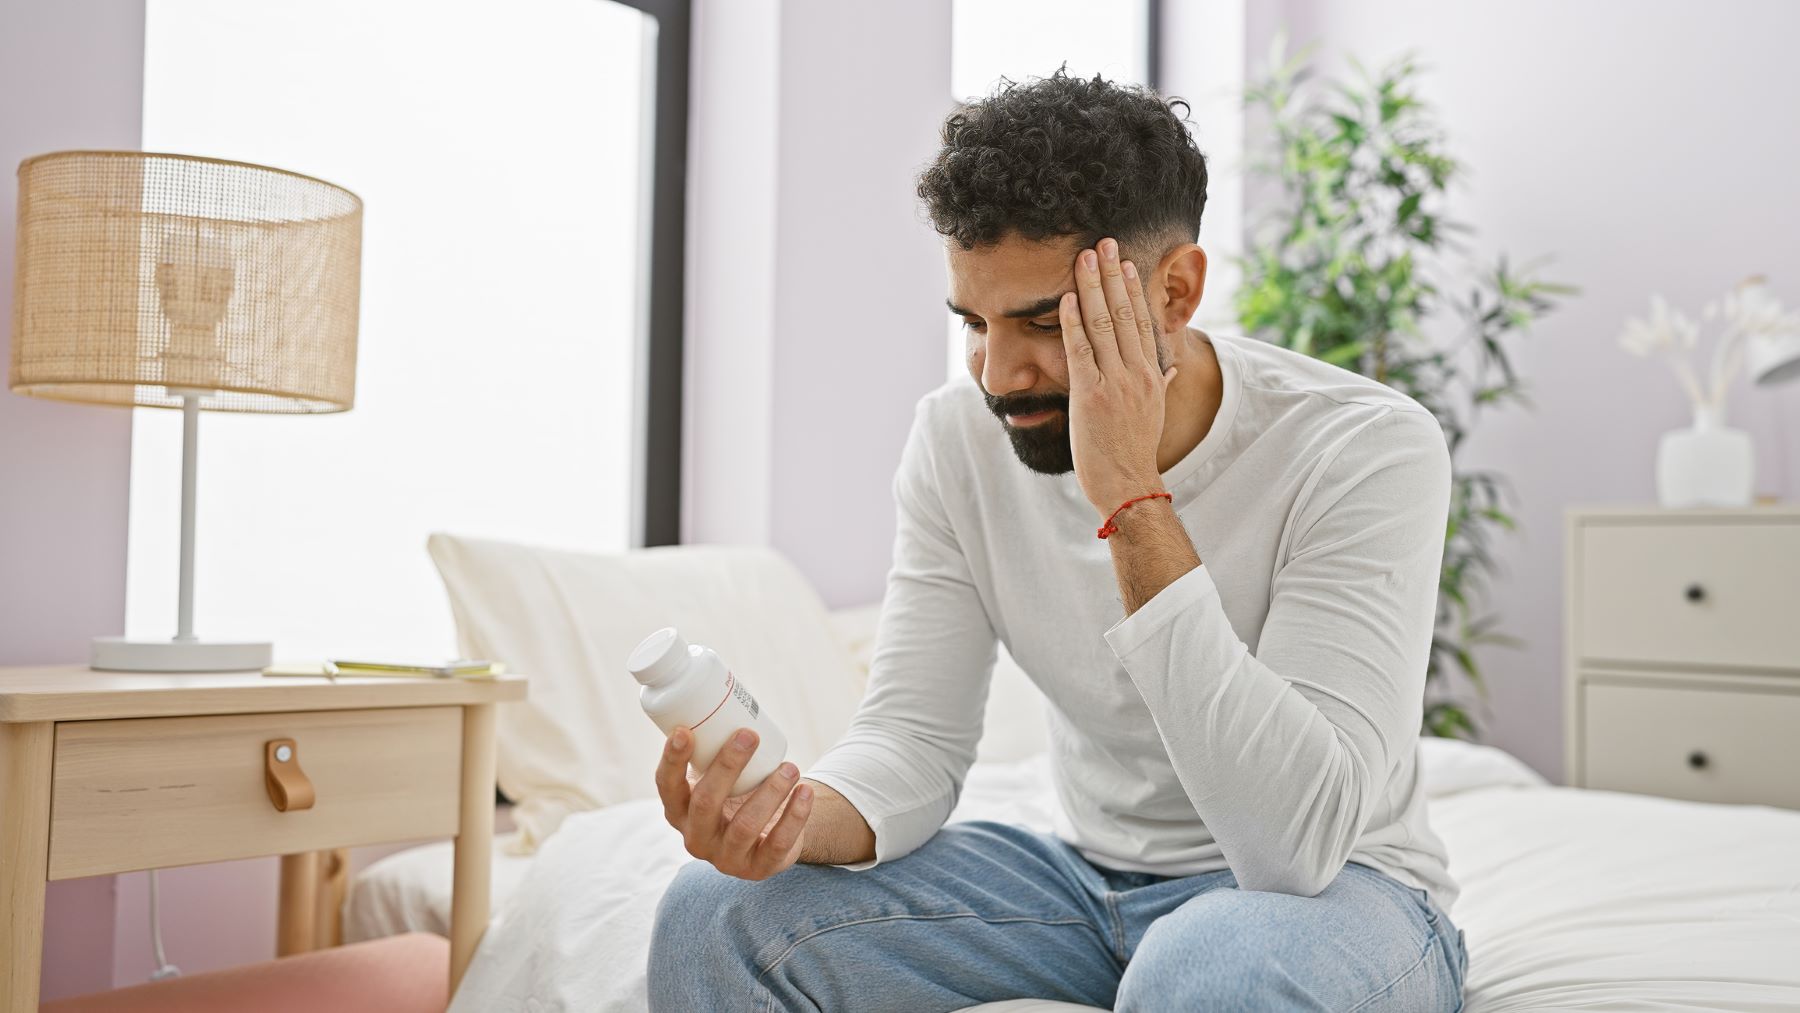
[505, 299]
[1016, 39]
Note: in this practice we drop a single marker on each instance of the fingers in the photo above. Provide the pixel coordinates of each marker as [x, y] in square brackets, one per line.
[671, 776]
[1140, 307]
[782, 845]
[734, 844]
[1097, 319]
[746, 825]
[1077, 350]
[706, 807]
[1125, 316]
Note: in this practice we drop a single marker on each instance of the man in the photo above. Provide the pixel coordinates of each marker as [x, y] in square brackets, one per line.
[1234, 667]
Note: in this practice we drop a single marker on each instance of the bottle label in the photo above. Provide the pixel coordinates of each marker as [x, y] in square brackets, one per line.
[744, 698]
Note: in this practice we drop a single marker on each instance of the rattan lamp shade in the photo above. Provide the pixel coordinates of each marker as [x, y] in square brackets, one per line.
[145, 276]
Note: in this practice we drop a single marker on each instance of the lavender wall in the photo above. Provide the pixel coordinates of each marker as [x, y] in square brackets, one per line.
[1647, 144]
[71, 76]
[859, 318]
[816, 317]
[733, 142]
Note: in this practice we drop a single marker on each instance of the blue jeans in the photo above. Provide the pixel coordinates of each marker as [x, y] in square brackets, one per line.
[986, 911]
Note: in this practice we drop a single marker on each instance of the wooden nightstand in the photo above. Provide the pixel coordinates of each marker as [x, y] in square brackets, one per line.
[104, 772]
[1683, 653]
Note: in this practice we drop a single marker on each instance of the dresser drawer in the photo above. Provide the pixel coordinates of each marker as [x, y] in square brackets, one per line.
[152, 792]
[1710, 745]
[1689, 594]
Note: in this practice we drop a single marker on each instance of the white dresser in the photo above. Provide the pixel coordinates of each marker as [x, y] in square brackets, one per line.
[1683, 653]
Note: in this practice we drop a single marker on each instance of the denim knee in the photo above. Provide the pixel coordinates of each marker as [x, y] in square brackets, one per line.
[1179, 982]
[695, 949]
[1208, 965]
[691, 901]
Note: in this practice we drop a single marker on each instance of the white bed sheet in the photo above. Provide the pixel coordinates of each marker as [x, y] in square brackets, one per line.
[1593, 900]
[409, 891]
[1570, 899]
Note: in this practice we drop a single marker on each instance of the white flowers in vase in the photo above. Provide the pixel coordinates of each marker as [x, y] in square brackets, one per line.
[1708, 464]
[1748, 312]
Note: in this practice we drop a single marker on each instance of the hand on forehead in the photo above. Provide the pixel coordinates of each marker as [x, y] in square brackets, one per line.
[1020, 278]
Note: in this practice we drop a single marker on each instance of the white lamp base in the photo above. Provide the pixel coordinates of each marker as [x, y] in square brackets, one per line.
[117, 654]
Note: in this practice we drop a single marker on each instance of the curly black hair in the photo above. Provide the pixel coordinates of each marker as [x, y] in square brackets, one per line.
[1064, 156]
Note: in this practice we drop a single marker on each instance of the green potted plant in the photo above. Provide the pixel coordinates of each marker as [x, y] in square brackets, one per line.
[1354, 262]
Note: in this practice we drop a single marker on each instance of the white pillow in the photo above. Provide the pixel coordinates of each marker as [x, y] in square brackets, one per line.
[568, 620]
[1450, 766]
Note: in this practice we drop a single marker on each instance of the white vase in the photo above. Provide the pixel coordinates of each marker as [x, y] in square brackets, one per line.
[1706, 465]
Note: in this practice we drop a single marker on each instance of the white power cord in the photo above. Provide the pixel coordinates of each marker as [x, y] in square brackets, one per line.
[164, 969]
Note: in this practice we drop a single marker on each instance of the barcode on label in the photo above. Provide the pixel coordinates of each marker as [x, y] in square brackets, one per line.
[744, 698]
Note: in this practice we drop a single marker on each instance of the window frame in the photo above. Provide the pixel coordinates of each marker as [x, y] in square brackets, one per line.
[656, 513]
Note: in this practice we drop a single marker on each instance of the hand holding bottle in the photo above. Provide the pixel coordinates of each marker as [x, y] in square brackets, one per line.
[751, 836]
[745, 810]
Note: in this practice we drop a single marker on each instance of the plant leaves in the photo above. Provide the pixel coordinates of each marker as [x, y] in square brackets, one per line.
[1350, 264]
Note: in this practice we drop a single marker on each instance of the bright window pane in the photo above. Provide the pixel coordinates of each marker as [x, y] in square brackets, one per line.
[497, 148]
[1019, 39]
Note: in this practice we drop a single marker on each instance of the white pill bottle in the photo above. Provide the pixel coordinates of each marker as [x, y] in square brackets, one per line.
[689, 685]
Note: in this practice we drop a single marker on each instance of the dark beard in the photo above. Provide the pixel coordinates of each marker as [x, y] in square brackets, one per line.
[1044, 448]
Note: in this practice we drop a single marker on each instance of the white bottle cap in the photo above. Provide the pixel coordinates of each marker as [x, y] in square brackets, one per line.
[659, 656]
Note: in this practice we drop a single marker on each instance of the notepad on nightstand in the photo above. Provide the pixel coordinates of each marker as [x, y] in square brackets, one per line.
[391, 668]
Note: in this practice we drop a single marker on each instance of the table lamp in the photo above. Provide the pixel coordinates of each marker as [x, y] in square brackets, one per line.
[1774, 358]
[174, 281]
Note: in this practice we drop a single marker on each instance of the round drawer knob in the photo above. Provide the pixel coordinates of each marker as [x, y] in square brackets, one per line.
[1697, 760]
[1695, 592]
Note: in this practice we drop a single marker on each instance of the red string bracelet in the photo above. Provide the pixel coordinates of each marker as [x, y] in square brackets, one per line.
[1109, 528]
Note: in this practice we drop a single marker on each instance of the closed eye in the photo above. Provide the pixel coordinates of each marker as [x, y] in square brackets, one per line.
[978, 325]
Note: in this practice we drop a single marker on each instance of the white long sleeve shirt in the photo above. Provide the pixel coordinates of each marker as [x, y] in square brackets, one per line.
[1261, 713]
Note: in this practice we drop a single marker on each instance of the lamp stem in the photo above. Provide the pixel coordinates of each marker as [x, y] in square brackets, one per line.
[190, 454]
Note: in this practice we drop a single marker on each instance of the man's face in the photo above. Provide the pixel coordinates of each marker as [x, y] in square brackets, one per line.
[1007, 294]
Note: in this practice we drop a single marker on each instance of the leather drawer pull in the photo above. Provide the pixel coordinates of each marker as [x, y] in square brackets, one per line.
[288, 785]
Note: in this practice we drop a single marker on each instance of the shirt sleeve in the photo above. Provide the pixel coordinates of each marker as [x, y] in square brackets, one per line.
[1286, 752]
[913, 738]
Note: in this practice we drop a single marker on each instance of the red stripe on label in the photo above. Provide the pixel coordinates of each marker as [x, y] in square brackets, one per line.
[729, 679]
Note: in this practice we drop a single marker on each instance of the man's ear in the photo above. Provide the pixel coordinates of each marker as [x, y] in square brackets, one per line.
[1181, 277]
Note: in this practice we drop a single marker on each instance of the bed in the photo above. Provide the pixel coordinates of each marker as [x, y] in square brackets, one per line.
[1571, 899]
